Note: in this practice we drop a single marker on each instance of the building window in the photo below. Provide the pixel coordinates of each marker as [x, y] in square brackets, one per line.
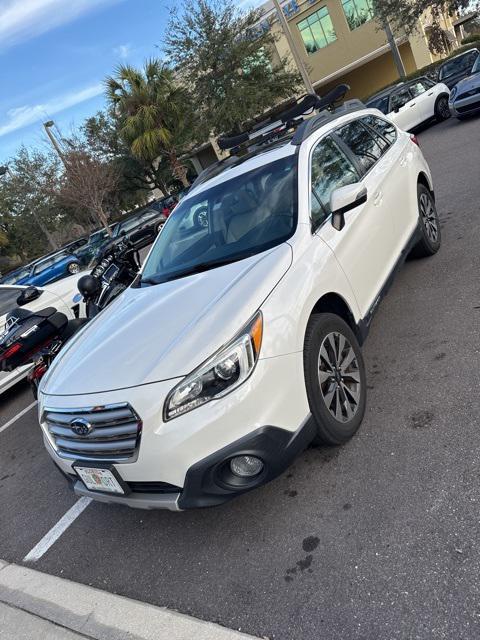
[317, 30]
[357, 12]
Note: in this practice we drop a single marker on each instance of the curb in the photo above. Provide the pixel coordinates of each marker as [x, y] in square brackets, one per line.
[98, 614]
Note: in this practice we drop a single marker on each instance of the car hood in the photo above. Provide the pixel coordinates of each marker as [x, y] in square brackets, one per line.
[165, 331]
[471, 82]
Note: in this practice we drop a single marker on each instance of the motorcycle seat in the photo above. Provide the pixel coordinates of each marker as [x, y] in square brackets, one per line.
[23, 314]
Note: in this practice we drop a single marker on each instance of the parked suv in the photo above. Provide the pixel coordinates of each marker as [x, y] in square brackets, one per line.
[239, 343]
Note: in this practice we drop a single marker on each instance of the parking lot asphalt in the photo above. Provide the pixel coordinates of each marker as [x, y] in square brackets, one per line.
[376, 540]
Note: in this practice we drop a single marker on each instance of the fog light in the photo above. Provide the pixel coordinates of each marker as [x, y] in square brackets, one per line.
[246, 466]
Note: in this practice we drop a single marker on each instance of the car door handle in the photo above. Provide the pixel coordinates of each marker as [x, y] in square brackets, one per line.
[413, 105]
[378, 199]
[431, 93]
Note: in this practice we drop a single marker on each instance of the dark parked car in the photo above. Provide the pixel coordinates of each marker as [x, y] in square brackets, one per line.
[465, 95]
[44, 271]
[91, 249]
[455, 69]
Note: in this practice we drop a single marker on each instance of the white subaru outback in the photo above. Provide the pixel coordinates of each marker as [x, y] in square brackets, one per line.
[239, 343]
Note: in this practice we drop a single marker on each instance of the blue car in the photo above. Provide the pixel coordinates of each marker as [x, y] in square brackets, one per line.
[44, 271]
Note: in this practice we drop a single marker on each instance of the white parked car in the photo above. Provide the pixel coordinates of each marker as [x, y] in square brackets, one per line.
[413, 103]
[240, 343]
[62, 295]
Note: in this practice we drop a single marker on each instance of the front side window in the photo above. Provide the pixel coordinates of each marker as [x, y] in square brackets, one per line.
[233, 220]
[317, 30]
[357, 12]
[331, 169]
[420, 86]
[362, 143]
[400, 99]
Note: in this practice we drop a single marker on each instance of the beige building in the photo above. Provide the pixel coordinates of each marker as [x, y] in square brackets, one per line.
[341, 42]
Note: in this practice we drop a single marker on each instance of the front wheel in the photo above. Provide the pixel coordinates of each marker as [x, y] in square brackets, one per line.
[429, 225]
[442, 109]
[335, 379]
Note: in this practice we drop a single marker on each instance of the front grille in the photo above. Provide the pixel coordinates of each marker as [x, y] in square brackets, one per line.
[468, 94]
[470, 107]
[153, 487]
[114, 433]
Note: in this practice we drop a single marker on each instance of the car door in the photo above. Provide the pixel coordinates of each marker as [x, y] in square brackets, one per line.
[366, 246]
[425, 96]
[404, 110]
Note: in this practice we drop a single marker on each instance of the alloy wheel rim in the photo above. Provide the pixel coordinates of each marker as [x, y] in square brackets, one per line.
[339, 377]
[202, 219]
[74, 268]
[444, 108]
[429, 218]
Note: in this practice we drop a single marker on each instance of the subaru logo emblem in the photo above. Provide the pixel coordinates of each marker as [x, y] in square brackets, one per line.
[81, 427]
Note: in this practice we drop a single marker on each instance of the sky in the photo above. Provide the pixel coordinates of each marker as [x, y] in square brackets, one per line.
[55, 55]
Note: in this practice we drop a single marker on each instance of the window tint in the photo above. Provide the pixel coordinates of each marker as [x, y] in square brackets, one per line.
[383, 127]
[417, 88]
[400, 99]
[458, 65]
[317, 30]
[379, 103]
[331, 169]
[8, 300]
[362, 143]
[357, 12]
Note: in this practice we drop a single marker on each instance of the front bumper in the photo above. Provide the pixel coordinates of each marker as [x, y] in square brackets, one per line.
[185, 455]
[465, 106]
[206, 484]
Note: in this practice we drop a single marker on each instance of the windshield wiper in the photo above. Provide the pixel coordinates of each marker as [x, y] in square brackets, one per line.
[196, 268]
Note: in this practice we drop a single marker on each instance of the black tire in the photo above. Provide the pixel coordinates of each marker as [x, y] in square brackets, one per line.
[429, 225]
[442, 109]
[348, 397]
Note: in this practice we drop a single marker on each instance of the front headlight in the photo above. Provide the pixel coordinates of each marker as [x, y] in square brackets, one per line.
[220, 374]
[453, 93]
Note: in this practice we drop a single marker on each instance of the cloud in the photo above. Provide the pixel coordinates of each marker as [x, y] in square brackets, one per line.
[20, 117]
[22, 20]
[123, 51]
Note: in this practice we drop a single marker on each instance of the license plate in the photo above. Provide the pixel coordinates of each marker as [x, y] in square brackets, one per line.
[96, 479]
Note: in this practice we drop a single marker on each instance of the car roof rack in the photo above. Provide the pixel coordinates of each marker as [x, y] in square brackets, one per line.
[289, 125]
[313, 124]
[279, 125]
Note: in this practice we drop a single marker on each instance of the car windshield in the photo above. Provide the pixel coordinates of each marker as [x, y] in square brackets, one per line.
[457, 65]
[238, 218]
[380, 103]
[476, 66]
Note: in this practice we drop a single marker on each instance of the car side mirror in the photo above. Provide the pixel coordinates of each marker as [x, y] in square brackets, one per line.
[28, 295]
[344, 200]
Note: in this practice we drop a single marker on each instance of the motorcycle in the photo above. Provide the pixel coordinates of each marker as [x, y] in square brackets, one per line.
[114, 271]
[35, 338]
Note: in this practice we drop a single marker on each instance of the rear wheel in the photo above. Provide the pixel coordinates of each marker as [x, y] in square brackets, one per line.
[429, 225]
[73, 268]
[442, 109]
[335, 378]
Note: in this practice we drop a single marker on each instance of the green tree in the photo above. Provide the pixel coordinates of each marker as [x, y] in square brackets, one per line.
[28, 209]
[155, 114]
[404, 14]
[227, 60]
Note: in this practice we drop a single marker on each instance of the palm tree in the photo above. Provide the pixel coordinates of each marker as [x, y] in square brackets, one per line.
[155, 114]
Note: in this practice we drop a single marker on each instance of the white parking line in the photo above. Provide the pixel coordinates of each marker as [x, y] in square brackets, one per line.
[17, 417]
[55, 532]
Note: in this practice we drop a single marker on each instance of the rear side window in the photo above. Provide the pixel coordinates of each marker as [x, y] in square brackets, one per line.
[362, 143]
[385, 129]
[331, 169]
